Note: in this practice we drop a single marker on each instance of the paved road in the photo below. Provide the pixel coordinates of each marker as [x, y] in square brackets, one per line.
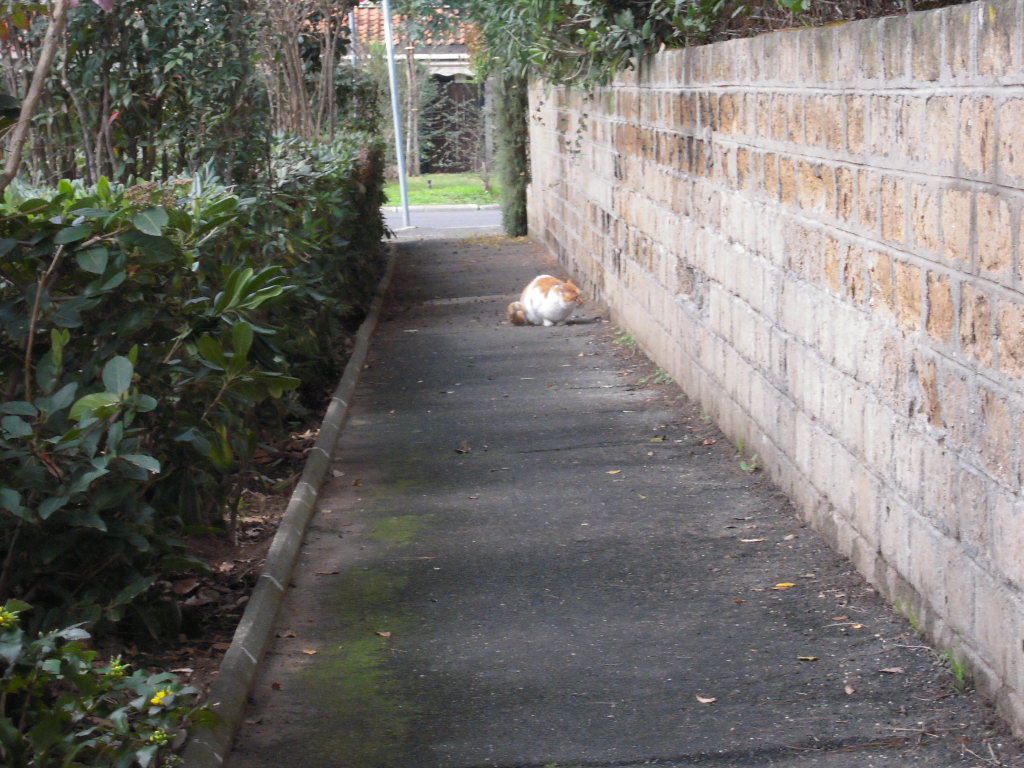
[532, 553]
[438, 221]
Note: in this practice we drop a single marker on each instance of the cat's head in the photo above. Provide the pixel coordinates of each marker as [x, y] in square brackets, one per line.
[570, 293]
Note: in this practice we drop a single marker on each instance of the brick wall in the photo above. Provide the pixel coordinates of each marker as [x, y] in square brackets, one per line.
[818, 233]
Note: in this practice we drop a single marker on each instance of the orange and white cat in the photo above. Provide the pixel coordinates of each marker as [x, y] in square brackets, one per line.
[545, 301]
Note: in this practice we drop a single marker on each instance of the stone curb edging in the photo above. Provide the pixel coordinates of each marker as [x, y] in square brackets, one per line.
[228, 693]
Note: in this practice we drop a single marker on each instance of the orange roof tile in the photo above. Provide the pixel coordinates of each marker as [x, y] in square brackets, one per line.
[370, 27]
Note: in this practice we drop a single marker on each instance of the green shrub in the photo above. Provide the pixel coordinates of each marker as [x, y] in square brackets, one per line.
[60, 707]
[149, 335]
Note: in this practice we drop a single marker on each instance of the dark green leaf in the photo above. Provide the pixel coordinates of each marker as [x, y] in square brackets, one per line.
[16, 427]
[93, 260]
[117, 375]
[151, 222]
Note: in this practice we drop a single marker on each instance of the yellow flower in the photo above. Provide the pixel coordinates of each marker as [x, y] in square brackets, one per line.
[159, 737]
[158, 698]
[117, 669]
[8, 619]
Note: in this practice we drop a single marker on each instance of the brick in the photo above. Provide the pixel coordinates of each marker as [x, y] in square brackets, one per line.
[956, 225]
[846, 193]
[976, 132]
[855, 123]
[976, 325]
[941, 313]
[997, 436]
[995, 238]
[815, 121]
[868, 192]
[909, 306]
[854, 274]
[940, 147]
[816, 187]
[1011, 338]
[971, 491]
[795, 118]
[893, 209]
[932, 401]
[895, 34]
[958, 42]
[997, 35]
[956, 408]
[1006, 517]
[870, 52]
[926, 46]
[884, 111]
[787, 181]
[833, 265]
[1010, 152]
[880, 275]
[764, 114]
[924, 214]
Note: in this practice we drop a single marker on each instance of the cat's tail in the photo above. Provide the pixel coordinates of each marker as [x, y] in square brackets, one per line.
[516, 313]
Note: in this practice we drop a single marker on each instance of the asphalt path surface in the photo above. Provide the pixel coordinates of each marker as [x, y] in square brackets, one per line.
[532, 551]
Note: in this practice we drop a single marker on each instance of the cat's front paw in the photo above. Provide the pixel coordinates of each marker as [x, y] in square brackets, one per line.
[547, 323]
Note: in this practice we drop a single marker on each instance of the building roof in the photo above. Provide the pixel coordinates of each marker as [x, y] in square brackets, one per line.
[369, 19]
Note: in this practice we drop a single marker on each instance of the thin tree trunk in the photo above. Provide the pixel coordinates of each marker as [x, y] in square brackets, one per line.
[51, 41]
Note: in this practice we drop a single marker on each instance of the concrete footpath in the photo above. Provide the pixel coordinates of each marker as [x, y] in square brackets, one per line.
[532, 551]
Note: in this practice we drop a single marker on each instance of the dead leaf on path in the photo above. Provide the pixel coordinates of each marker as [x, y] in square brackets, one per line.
[357, 482]
[709, 442]
[790, 537]
[472, 497]
[309, 652]
[464, 448]
[658, 439]
[807, 658]
[337, 473]
[613, 471]
[783, 585]
[289, 633]
[751, 541]
[276, 686]
[894, 671]
[840, 618]
[706, 699]
[185, 586]
[850, 690]
[384, 634]
[856, 626]
[327, 573]
[221, 646]
[738, 602]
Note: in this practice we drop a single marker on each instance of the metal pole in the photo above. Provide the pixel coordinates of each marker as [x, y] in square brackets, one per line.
[396, 111]
[352, 31]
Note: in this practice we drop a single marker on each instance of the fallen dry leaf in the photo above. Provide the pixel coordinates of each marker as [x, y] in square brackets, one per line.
[850, 690]
[326, 573]
[840, 618]
[856, 626]
[290, 633]
[706, 699]
[738, 602]
[221, 646]
[807, 658]
[464, 448]
[658, 439]
[309, 652]
[751, 541]
[276, 686]
[384, 634]
[709, 442]
[613, 471]
[894, 671]
[783, 585]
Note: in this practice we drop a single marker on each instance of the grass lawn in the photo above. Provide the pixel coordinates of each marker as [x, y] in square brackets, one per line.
[444, 189]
